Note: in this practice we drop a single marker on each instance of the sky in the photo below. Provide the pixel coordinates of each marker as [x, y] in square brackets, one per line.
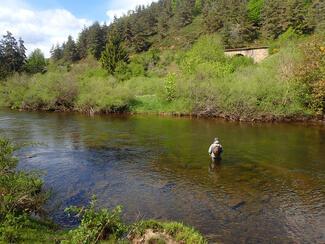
[43, 23]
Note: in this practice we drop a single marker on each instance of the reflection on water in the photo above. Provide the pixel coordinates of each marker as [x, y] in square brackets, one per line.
[269, 187]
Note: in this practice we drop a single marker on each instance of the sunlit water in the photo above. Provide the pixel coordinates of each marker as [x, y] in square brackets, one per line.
[270, 186]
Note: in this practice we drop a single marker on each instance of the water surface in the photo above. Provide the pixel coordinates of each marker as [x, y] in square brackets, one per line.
[270, 186]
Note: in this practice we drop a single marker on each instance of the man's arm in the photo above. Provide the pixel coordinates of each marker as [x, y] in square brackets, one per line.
[210, 150]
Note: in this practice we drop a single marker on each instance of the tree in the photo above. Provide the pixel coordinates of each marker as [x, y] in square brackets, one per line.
[238, 25]
[36, 62]
[275, 18]
[254, 10]
[13, 55]
[82, 44]
[96, 39]
[114, 53]
[184, 12]
[140, 41]
[317, 15]
[21, 56]
[230, 18]
[164, 18]
[299, 17]
[213, 13]
[70, 52]
[57, 52]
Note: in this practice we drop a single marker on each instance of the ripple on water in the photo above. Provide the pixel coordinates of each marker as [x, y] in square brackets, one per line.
[270, 186]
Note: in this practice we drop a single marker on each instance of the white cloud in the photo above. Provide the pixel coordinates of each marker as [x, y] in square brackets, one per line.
[121, 7]
[44, 28]
[39, 29]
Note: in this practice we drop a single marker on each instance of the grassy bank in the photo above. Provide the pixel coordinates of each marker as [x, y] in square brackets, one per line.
[21, 221]
[199, 81]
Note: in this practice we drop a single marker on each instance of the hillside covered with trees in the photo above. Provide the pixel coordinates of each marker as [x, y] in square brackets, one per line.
[169, 58]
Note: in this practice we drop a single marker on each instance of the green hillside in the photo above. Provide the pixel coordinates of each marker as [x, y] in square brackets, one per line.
[169, 58]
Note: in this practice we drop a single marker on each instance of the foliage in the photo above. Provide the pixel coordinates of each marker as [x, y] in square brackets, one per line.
[95, 225]
[12, 55]
[20, 195]
[114, 53]
[316, 15]
[166, 23]
[36, 62]
[57, 52]
[20, 192]
[70, 52]
[207, 53]
[287, 37]
[170, 87]
[310, 72]
[204, 81]
[92, 40]
[254, 10]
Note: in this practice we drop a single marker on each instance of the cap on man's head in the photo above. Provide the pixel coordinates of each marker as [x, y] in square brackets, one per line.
[216, 139]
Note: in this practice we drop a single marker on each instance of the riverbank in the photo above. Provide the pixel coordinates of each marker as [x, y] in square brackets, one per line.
[201, 82]
[205, 115]
[22, 198]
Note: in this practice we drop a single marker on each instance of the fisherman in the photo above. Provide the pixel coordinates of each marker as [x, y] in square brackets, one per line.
[215, 151]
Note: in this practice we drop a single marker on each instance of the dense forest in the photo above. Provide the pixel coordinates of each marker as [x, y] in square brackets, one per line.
[165, 57]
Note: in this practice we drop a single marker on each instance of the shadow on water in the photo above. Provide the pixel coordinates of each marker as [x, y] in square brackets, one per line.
[270, 185]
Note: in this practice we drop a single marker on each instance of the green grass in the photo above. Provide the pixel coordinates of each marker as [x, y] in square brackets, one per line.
[41, 232]
[178, 231]
[154, 104]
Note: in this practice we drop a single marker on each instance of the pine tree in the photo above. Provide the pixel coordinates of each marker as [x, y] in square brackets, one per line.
[275, 18]
[13, 55]
[184, 12]
[114, 53]
[96, 40]
[198, 7]
[240, 27]
[298, 16]
[316, 15]
[128, 32]
[82, 43]
[70, 52]
[21, 56]
[140, 41]
[214, 16]
[164, 17]
[254, 10]
[57, 52]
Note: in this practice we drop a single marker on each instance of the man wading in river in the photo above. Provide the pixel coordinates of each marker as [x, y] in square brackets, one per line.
[215, 151]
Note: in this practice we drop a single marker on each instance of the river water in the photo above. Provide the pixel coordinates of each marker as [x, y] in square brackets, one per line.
[270, 186]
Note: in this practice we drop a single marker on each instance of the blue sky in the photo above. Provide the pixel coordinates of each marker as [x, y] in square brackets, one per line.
[43, 23]
[94, 9]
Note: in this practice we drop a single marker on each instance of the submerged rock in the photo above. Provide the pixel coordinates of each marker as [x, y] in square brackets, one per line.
[236, 204]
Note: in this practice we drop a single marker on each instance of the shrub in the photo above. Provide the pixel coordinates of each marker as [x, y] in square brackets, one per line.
[95, 225]
[20, 192]
[102, 95]
[170, 87]
[122, 71]
[284, 39]
[310, 72]
[208, 49]
[36, 62]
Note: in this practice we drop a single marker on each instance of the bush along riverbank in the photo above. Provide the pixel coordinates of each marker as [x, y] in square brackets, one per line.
[200, 81]
[21, 221]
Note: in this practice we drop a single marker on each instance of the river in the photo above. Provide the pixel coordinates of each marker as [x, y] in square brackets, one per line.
[270, 186]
